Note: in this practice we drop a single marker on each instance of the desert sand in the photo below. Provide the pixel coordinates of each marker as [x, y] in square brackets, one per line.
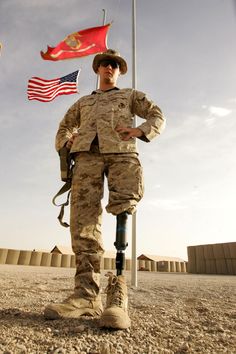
[170, 313]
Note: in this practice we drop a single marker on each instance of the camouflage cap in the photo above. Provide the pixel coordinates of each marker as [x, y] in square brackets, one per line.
[113, 55]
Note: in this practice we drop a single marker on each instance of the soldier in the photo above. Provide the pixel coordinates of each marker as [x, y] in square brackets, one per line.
[98, 130]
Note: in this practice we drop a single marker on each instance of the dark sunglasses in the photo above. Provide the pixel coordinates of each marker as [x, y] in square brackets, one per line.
[107, 62]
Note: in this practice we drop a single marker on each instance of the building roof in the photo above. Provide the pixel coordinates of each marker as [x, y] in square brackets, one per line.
[44, 250]
[68, 250]
[157, 258]
[62, 249]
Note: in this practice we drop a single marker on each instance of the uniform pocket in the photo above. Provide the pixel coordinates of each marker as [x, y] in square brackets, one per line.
[86, 107]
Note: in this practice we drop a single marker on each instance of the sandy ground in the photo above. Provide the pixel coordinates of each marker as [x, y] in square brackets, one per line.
[170, 313]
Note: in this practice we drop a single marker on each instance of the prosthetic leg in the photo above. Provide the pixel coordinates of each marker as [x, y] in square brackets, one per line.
[115, 314]
[121, 243]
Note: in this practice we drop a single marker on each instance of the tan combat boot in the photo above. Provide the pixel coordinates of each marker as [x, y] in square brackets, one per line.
[116, 313]
[74, 307]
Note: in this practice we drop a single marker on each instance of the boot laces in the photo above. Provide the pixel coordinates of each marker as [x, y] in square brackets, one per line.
[115, 291]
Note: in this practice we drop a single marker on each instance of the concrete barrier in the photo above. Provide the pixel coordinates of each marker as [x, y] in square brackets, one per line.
[183, 267]
[12, 256]
[178, 267]
[208, 252]
[211, 266]
[141, 264]
[200, 260]
[46, 259]
[72, 262]
[128, 264]
[219, 255]
[231, 266]
[153, 266]
[234, 265]
[232, 246]
[218, 251]
[148, 266]
[24, 257]
[65, 260]
[172, 266]
[232, 250]
[3, 255]
[56, 260]
[221, 266]
[163, 266]
[192, 259]
[35, 259]
[219, 258]
[113, 263]
[107, 264]
[226, 249]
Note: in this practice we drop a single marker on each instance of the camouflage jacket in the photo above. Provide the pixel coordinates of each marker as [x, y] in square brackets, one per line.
[101, 112]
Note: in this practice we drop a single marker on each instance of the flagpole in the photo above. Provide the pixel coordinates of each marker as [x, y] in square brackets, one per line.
[103, 23]
[134, 84]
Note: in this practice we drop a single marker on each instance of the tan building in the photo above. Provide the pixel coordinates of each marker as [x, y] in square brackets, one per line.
[155, 258]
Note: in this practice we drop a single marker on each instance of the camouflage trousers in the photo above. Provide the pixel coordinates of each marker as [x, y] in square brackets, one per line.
[125, 185]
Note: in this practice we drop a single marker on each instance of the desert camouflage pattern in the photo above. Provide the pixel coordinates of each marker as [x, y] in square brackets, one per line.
[101, 112]
[98, 115]
[125, 183]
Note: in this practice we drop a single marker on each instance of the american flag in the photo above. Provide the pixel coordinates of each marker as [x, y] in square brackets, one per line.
[46, 90]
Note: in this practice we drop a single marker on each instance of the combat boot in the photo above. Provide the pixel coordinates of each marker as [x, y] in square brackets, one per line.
[74, 307]
[115, 314]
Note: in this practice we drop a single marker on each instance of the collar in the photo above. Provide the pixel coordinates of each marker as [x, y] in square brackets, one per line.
[100, 91]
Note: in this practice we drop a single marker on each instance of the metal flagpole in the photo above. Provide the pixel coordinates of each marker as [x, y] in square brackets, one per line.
[103, 23]
[134, 80]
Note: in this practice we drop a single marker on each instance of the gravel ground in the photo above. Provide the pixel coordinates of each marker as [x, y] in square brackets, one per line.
[170, 313]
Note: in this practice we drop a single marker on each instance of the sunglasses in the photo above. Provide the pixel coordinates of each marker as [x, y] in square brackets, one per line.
[110, 62]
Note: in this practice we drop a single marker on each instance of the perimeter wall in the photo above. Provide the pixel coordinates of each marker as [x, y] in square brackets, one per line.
[218, 258]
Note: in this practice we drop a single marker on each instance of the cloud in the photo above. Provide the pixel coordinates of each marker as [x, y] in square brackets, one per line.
[215, 112]
[219, 111]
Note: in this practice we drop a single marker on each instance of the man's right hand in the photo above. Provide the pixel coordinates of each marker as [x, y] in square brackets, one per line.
[71, 140]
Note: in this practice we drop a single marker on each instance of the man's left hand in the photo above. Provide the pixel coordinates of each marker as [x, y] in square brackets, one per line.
[129, 133]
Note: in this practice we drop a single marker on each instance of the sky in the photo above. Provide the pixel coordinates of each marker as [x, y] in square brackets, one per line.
[186, 55]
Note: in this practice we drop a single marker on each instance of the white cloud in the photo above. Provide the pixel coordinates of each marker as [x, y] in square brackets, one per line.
[214, 113]
[219, 111]
[210, 121]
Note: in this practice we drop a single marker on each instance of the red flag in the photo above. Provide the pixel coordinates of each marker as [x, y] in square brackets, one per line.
[46, 90]
[79, 44]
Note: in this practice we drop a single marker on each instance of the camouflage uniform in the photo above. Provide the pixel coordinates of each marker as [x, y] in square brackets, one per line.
[99, 151]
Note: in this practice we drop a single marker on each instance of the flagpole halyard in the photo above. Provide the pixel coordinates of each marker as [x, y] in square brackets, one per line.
[134, 84]
[77, 81]
[103, 23]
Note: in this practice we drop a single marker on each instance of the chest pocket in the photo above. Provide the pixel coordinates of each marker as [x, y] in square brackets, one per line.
[121, 112]
[87, 108]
